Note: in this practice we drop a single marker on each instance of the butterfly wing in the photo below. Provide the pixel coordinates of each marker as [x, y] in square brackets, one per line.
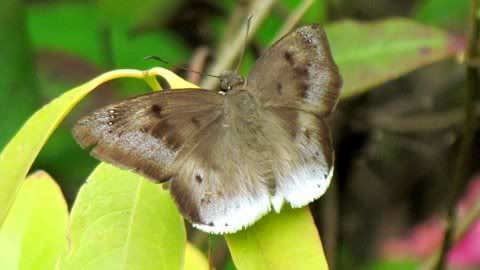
[299, 82]
[216, 175]
[146, 133]
[298, 71]
[304, 173]
[219, 185]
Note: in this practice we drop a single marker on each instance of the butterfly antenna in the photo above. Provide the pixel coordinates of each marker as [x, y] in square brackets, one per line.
[249, 19]
[179, 67]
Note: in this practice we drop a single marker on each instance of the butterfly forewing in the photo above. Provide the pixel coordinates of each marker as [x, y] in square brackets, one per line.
[146, 133]
[298, 71]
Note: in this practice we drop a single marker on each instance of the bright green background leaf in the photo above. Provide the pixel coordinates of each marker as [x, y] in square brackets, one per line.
[288, 240]
[122, 221]
[369, 54]
[130, 51]
[34, 234]
[68, 27]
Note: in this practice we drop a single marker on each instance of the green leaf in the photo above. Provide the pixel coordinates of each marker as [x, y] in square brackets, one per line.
[33, 235]
[129, 51]
[194, 259]
[445, 13]
[19, 154]
[288, 240]
[59, 26]
[369, 54]
[392, 265]
[122, 221]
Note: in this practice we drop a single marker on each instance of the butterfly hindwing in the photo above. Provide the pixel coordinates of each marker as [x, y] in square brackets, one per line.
[303, 174]
[298, 71]
[222, 184]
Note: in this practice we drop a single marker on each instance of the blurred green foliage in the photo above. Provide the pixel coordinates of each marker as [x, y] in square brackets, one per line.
[17, 73]
[445, 13]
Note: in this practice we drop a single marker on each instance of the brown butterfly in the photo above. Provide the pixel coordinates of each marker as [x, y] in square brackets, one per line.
[232, 155]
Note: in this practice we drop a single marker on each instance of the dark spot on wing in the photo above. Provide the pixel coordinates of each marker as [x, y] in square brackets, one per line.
[161, 128]
[198, 178]
[302, 89]
[279, 88]
[173, 142]
[301, 71]
[307, 134]
[289, 57]
[195, 121]
[226, 224]
[325, 176]
[210, 224]
[157, 110]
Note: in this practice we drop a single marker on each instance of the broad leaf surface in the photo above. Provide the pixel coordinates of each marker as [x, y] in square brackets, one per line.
[34, 233]
[288, 240]
[122, 221]
[370, 54]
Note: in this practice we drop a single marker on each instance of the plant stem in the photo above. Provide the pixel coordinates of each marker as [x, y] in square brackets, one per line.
[294, 18]
[235, 20]
[227, 55]
[330, 216]
[462, 166]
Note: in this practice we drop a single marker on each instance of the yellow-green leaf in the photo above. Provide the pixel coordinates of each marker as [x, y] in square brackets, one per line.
[288, 240]
[122, 221]
[19, 154]
[194, 259]
[33, 235]
[369, 54]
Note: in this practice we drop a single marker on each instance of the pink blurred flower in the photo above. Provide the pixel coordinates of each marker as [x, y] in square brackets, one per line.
[422, 240]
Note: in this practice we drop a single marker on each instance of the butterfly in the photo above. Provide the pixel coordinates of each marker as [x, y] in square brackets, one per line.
[230, 156]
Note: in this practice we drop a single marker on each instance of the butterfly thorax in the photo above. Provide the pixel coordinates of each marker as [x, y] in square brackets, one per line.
[230, 80]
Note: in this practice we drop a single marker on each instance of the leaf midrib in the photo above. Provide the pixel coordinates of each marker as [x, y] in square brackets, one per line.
[130, 223]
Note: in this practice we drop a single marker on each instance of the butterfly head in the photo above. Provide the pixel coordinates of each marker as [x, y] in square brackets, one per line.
[229, 80]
